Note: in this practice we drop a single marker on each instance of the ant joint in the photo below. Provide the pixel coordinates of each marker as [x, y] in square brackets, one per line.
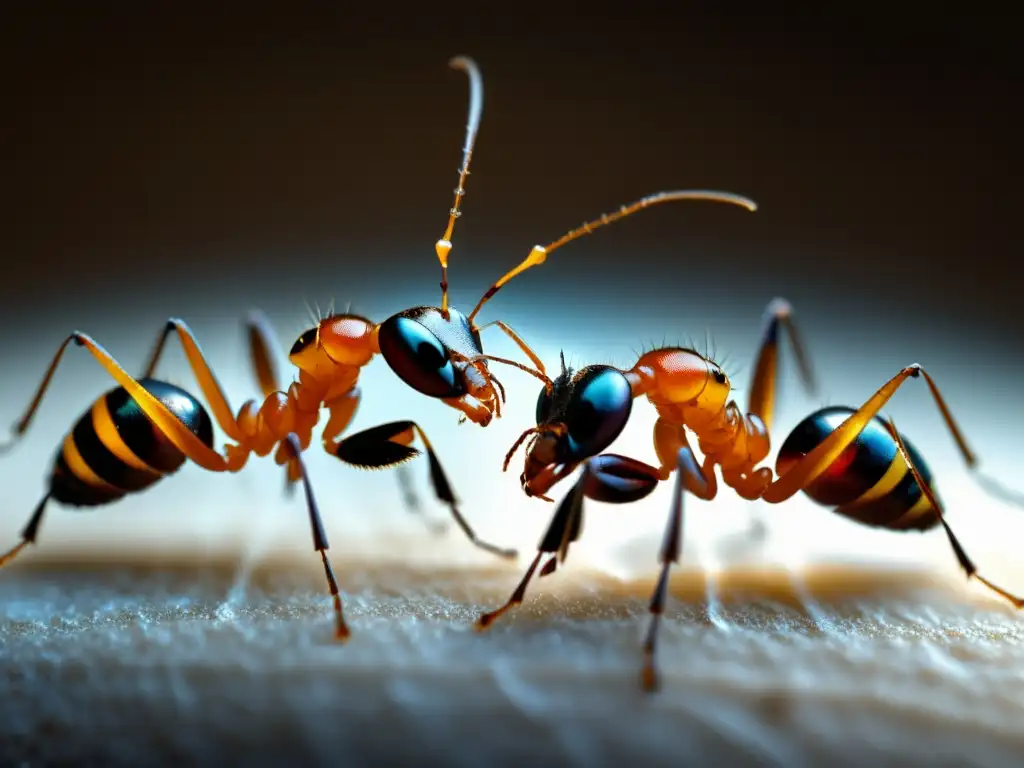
[442, 248]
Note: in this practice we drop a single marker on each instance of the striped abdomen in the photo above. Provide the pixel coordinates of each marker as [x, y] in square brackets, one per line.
[114, 449]
[869, 482]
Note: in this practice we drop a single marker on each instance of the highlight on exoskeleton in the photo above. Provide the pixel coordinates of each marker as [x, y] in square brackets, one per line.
[849, 459]
[145, 428]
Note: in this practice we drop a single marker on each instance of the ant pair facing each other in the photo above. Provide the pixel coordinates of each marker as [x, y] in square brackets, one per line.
[145, 428]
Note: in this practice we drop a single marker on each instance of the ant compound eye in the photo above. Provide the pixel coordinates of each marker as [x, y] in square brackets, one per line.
[418, 357]
[304, 341]
[719, 376]
[598, 410]
[543, 405]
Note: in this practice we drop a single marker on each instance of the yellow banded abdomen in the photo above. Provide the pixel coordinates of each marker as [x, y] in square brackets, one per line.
[114, 449]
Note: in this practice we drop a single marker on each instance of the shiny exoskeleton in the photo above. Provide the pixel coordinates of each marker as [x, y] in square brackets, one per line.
[845, 458]
[435, 351]
[870, 482]
[139, 432]
[114, 449]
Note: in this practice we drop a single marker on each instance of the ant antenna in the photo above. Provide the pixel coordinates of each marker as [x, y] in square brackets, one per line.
[540, 252]
[476, 105]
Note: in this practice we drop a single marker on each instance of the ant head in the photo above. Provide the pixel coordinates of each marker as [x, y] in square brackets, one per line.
[336, 340]
[582, 414]
[697, 384]
[431, 353]
[706, 386]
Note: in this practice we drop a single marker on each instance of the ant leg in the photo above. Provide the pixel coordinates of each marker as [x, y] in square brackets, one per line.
[519, 342]
[565, 527]
[965, 562]
[778, 314]
[412, 502]
[163, 419]
[388, 445]
[28, 533]
[263, 352]
[610, 478]
[208, 383]
[342, 411]
[320, 544]
[700, 482]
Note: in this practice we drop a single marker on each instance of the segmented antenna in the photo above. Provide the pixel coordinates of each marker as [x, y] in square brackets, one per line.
[476, 105]
[540, 253]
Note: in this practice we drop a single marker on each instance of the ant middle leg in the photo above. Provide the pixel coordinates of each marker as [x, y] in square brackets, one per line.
[320, 545]
[702, 483]
[413, 503]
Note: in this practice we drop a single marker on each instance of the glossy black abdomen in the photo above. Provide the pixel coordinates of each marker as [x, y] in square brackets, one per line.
[869, 482]
[114, 449]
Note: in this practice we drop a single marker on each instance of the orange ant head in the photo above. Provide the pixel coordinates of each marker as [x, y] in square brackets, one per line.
[686, 379]
[710, 390]
[582, 414]
[337, 340]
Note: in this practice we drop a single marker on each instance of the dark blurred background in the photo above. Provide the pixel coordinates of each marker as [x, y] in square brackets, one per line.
[166, 150]
[200, 159]
[169, 159]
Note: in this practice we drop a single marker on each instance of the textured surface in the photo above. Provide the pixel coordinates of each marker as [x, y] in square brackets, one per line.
[170, 663]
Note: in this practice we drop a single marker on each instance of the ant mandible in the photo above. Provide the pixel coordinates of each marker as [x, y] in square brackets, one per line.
[145, 428]
[848, 459]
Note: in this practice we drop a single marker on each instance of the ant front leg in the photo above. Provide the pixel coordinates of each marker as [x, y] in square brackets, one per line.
[342, 411]
[701, 482]
[610, 478]
[389, 445]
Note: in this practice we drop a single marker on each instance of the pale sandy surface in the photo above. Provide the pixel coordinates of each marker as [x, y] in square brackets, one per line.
[175, 664]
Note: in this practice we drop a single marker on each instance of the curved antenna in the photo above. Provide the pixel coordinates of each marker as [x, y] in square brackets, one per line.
[476, 106]
[540, 252]
[548, 384]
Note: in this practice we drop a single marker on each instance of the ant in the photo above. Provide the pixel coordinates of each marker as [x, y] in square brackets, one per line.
[850, 460]
[144, 429]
